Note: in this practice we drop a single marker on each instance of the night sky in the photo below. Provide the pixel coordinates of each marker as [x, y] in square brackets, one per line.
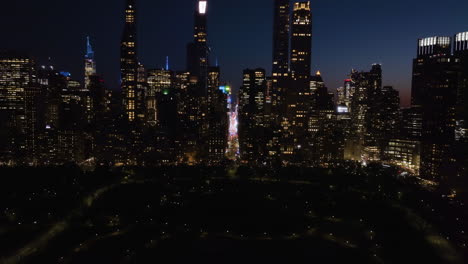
[346, 34]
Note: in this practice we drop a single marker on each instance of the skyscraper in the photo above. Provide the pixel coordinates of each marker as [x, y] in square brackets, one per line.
[461, 136]
[129, 62]
[301, 40]
[345, 95]
[365, 113]
[251, 116]
[461, 53]
[90, 64]
[198, 50]
[434, 91]
[16, 81]
[281, 39]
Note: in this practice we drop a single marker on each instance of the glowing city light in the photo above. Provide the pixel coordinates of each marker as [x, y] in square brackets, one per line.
[202, 7]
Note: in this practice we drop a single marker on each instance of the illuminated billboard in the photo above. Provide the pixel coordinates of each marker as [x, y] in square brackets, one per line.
[226, 89]
[343, 109]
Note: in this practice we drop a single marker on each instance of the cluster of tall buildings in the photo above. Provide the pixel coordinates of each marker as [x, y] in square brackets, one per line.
[158, 117]
[291, 118]
[161, 116]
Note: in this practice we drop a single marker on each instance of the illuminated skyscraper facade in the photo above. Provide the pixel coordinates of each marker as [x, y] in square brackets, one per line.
[434, 91]
[281, 39]
[301, 40]
[198, 50]
[461, 130]
[129, 63]
[16, 81]
[365, 113]
[251, 116]
[461, 53]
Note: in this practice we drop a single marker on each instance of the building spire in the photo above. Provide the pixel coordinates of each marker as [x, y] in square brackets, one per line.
[167, 63]
[89, 49]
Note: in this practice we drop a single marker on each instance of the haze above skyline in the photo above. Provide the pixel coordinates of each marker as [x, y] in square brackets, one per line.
[346, 34]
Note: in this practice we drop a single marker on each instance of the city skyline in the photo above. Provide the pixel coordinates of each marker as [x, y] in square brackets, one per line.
[250, 45]
[311, 152]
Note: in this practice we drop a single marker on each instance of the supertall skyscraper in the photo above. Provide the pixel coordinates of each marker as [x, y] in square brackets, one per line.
[301, 40]
[281, 39]
[129, 62]
[198, 50]
[90, 64]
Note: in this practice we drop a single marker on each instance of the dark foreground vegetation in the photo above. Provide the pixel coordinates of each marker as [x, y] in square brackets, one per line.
[227, 215]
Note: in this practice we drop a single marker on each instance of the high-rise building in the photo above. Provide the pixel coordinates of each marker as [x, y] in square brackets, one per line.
[404, 153]
[281, 39]
[198, 51]
[90, 63]
[366, 114]
[326, 144]
[431, 49]
[345, 95]
[129, 62]
[217, 118]
[159, 81]
[251, 116]
[16, 82]
[301, 40]
[461, 53]
[389, 108]
[434, 91]
[461, 130]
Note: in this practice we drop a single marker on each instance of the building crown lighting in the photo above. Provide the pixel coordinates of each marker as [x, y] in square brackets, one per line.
[202, 6]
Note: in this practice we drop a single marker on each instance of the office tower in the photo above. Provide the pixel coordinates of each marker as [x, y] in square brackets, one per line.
[389, 107]
[434, 90]
[251, 116]
[301, 40]
[326, 143]
[198, 50]
[281, 39]
[411, 123]
[142, 88]
[67, 114]
[181, 80]
[159, 80]
[214, 75]
[98, 94]
[461, 130]
[374, 117]
[217, 118]
[90, 64]
[404, 153]
[317, 87]
[129, 62]
[366, 114]
[16, 106]
[461, 54]
[344, 96]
